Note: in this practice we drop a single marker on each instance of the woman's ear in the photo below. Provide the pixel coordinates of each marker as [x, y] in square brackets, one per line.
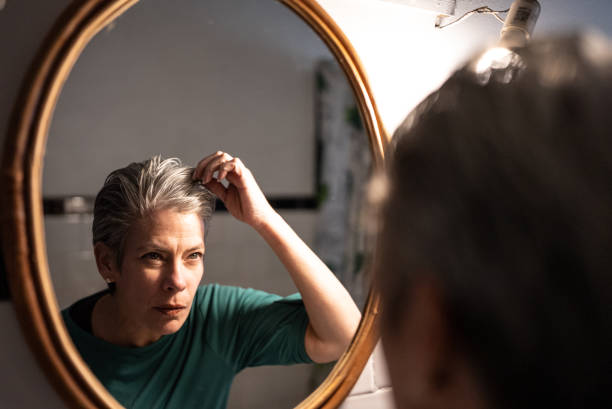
[106, 262]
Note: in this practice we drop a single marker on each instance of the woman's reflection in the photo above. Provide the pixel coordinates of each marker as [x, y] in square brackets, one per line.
[155, 338]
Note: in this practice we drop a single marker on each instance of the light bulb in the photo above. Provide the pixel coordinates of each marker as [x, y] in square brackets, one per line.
[501, 63]
[495, 58]
[519, 23]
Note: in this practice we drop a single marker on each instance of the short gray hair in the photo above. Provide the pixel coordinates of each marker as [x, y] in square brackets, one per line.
[133, 192]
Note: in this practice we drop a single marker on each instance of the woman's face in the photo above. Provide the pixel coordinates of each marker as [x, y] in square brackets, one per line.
[160, 273]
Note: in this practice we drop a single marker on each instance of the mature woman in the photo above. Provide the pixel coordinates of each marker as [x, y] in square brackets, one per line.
[495, 264]
[156, 338]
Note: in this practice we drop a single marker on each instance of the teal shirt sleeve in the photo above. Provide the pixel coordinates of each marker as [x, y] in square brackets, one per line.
[251, 327]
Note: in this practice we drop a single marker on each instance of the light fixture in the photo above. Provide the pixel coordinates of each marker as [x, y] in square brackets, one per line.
[501, 62]
[519, 24]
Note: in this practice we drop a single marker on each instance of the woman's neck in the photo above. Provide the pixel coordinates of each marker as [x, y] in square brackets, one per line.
[110, 325]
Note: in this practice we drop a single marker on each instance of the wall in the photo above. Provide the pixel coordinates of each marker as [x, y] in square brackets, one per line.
[182, 80]
[415, 59]
[373, 388]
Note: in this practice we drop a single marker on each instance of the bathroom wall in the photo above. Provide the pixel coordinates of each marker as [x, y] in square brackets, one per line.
[373, 388]
[415, 59]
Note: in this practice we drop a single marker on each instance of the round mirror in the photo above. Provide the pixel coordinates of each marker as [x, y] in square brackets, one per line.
[184, 80]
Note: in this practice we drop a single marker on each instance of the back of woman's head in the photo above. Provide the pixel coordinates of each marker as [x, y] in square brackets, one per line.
[502, 193]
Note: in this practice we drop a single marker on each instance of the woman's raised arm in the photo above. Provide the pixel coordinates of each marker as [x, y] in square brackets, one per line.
[333, 315]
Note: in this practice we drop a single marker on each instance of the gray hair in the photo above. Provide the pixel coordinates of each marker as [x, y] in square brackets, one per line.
[133, 192]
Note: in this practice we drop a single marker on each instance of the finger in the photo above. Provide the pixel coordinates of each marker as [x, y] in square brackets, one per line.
[214, 165]
[217, 188]
[226, 168]
[197, 174]
[237, 176]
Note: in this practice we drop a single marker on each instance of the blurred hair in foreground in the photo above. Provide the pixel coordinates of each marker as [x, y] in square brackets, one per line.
[495, 258]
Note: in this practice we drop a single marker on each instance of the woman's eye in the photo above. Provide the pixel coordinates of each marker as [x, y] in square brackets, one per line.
[195, 256]
[152, 256]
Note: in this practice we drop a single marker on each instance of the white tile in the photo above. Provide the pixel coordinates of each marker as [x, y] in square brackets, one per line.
[381, 372]
[365, 383]
[381, 399]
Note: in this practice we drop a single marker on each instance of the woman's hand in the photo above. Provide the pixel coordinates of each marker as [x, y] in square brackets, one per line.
[333, 315]
[243, 198]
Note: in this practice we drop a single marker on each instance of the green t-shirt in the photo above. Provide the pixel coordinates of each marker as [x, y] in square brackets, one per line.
[228, 329]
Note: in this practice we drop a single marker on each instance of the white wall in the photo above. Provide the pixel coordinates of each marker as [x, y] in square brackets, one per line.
[186, 79]
[373, 388]
[415, 59]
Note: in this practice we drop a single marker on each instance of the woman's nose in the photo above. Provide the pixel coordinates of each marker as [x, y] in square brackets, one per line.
[175, 279]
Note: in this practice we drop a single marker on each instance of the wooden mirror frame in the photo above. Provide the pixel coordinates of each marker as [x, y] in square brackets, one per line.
[23, 239]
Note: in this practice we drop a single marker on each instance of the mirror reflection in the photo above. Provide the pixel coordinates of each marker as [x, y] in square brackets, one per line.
[186, 80]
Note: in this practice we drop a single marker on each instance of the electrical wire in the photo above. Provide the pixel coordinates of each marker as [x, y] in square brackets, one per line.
[479, 10]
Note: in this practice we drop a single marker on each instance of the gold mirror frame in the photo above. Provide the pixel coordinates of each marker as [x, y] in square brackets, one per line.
[23, 238]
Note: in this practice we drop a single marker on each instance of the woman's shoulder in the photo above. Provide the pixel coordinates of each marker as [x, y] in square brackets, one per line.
[218, 293]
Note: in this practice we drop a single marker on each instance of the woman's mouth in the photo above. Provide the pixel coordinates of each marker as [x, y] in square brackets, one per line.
[170, 309]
